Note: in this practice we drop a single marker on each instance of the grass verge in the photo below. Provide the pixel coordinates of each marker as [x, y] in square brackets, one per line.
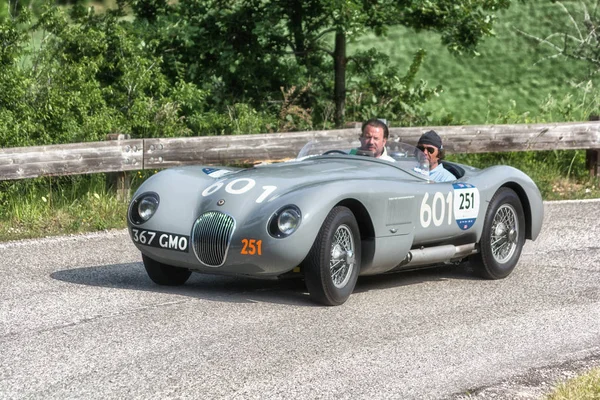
[583, 387]
[58, 206]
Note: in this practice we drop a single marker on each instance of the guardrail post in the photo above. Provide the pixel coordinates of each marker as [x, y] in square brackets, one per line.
[592, 160]
[592, 156]
[119, 181]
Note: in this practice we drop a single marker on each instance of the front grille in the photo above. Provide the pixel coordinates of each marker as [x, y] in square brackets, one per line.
[211, 237]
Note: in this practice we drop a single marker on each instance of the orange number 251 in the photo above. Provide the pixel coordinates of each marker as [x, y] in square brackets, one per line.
[252, 247]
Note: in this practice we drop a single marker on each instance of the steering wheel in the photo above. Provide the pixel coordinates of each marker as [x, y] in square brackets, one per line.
[335, 152]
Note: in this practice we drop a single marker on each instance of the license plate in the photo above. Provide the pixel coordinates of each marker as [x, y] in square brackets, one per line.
[162, 240]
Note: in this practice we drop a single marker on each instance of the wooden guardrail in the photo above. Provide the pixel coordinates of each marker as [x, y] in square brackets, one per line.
[136, 154]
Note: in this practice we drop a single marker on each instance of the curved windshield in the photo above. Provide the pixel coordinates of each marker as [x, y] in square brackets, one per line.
[404, 155]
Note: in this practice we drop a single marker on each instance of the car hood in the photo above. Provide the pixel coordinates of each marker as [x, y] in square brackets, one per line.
[186, 192]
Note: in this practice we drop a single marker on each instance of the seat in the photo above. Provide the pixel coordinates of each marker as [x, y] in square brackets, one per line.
[454, 169]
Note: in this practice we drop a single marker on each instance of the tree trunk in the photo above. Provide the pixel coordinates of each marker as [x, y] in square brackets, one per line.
[295, 14]
[339, 95]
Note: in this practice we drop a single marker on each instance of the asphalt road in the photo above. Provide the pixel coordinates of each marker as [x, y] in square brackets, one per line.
[80, 319]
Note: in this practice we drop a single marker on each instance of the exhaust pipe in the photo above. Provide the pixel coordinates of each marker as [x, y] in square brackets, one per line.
[438, 254]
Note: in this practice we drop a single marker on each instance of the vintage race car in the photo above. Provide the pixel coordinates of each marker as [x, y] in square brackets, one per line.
[330, 217]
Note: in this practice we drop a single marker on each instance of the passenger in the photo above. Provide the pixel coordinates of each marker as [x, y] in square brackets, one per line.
[430, 143]
[374, 135]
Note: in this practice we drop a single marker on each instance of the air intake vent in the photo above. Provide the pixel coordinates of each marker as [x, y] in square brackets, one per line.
[211, 237]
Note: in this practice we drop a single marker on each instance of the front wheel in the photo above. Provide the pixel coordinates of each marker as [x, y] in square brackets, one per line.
[503, 236]
[165, 275]
[333, 263]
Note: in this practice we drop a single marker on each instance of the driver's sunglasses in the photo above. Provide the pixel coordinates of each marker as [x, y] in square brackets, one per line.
[430, 150]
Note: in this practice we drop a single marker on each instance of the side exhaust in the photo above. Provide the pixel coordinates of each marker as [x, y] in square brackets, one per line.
[438, 254]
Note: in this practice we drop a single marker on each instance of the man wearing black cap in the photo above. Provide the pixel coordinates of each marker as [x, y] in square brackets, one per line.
[430, 143]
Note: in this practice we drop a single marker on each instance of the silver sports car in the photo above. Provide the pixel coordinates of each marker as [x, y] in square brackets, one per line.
[331, 217]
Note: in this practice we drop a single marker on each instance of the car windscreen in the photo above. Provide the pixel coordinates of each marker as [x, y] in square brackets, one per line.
[404, 155]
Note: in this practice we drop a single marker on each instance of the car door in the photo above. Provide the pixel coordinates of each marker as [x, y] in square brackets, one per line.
[446, 210]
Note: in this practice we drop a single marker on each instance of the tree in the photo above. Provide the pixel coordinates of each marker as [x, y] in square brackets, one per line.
[461, 24]
[87, 75]
[254, 47]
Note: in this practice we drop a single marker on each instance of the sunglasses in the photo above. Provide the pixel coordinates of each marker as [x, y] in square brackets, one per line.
[430, 150]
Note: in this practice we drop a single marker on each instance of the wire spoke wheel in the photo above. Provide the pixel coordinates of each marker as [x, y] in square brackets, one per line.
[504, 233]
[342, 256]
[332, 266]
[503, 236]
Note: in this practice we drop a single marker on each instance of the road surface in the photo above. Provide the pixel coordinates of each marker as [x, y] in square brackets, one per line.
[79, 318]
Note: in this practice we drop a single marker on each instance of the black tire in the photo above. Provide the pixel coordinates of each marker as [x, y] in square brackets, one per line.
[503, 236]
[333, 263]
[165, 275]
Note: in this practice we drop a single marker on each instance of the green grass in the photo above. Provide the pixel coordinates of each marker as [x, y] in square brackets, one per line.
[584, 387]
[512, 73]
[58, 206]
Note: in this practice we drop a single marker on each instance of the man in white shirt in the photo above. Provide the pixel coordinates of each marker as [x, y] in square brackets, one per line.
[374, 135]
[430, 143]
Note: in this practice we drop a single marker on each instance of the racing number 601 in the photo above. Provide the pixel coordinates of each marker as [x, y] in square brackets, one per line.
[437, 210]
[233, 187]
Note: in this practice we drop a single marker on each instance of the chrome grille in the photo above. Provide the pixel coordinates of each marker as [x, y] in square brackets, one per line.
[211, 237]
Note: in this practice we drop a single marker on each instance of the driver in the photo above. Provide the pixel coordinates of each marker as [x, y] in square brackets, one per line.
[374, 135]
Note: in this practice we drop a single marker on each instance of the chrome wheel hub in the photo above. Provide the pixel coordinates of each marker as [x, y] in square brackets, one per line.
[341, 263]
[505, 233]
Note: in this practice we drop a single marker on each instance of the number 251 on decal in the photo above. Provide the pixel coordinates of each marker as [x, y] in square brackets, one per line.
[251, 247]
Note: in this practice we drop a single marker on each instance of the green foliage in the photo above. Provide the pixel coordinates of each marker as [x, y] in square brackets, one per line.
[462, 24]
[16, 8]
[90, 75]
[399, 98]
[241, 119]
[212, 67]
[246, 51]
[12, 36]
[577, 38]
[234, 49]
[578, 105]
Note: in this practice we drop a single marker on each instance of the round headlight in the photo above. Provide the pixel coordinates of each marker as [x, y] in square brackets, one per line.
[147, 207]
[288, 221]
[285, 221]
[143, 207]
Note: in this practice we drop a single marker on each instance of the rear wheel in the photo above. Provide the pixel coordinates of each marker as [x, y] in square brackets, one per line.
[333, 263]
[503, 236]
[163, 274]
